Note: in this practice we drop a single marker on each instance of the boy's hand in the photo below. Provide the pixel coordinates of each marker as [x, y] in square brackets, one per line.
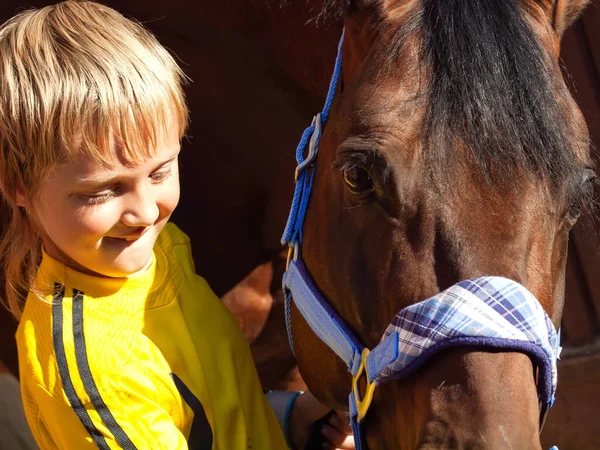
[337, 433]
[306, 410]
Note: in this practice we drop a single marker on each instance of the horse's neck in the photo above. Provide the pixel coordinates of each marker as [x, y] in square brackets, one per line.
[460, 400]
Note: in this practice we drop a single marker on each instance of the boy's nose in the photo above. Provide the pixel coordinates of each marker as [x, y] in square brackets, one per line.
[141, 210]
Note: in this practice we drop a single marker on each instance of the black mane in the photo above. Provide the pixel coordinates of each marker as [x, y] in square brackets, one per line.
[493, 88]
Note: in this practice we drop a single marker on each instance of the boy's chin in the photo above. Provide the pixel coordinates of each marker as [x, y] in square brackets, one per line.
[130, 267]
[123, 266]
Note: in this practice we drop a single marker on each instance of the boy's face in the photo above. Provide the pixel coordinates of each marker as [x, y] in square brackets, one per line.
[105, 220]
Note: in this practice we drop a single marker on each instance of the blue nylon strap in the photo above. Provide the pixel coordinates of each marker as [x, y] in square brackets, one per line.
[287, 298]
[293, 229]
[323, 320]
[382, 356]
[354, 424]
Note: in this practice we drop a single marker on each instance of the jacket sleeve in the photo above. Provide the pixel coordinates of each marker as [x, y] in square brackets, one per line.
[131, 418]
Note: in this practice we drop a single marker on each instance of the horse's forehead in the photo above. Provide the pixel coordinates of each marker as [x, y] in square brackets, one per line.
[389, 92]
[391, 102]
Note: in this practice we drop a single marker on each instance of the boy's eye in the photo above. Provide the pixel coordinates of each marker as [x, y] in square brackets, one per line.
[158, 177]
[96, 199]
[103, 196]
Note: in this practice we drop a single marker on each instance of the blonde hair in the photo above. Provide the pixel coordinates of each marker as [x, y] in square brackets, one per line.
[73, 78]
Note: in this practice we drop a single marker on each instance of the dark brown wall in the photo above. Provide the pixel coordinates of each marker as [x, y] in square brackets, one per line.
[574, 423]
[581, 57]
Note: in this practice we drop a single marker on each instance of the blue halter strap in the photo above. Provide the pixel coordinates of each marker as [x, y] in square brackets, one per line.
[484, 312]
[311, 138]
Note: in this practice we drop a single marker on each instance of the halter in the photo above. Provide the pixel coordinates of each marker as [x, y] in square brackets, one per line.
[484, 312]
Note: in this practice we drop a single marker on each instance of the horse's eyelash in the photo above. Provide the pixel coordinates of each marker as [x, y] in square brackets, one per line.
[345, 165]
[361, 159]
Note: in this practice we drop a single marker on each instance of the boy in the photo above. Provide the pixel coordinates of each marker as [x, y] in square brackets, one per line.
[121, 344]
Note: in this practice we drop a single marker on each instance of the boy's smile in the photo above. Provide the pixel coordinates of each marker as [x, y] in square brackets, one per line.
[104, 219]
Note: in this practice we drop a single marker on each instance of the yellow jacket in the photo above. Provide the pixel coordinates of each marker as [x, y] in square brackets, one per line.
[154, 361]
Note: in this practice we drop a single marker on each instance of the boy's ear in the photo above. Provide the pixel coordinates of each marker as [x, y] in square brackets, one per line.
[20, 196]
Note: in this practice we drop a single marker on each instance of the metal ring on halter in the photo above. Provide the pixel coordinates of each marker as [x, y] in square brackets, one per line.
[293, 252]
[313, 147]
[362, 403]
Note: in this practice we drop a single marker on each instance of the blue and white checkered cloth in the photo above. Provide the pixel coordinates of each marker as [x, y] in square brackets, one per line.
[490, 312]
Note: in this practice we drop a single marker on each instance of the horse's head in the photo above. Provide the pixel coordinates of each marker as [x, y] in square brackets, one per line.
[453, 150]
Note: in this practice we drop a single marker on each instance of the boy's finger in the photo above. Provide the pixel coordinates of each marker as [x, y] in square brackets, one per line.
[340, 423]
[337, 439]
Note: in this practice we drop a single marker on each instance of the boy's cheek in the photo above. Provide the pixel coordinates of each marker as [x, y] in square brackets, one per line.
[172, 199]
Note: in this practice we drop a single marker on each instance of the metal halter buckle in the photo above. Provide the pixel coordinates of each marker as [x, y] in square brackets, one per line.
[313, 147]
[362, 403]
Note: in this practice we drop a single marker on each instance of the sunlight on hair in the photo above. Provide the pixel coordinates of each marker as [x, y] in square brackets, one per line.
[76, 78]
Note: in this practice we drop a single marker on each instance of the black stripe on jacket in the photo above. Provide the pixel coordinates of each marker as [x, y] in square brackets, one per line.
[63, 369]
[86, 375]
[201, 436]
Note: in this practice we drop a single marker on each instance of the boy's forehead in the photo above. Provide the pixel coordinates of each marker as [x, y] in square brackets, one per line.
[117, 158]
[113, 150]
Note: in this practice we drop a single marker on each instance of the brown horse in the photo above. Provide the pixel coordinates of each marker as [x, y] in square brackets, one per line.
[453, 150]
[468, 152]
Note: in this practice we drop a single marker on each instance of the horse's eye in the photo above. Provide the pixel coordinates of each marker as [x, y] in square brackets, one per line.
[584, 195]
[358, 180]
[587, 186]
[591, 182]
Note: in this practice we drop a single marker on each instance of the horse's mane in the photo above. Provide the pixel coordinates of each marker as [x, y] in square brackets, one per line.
[493, 88]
